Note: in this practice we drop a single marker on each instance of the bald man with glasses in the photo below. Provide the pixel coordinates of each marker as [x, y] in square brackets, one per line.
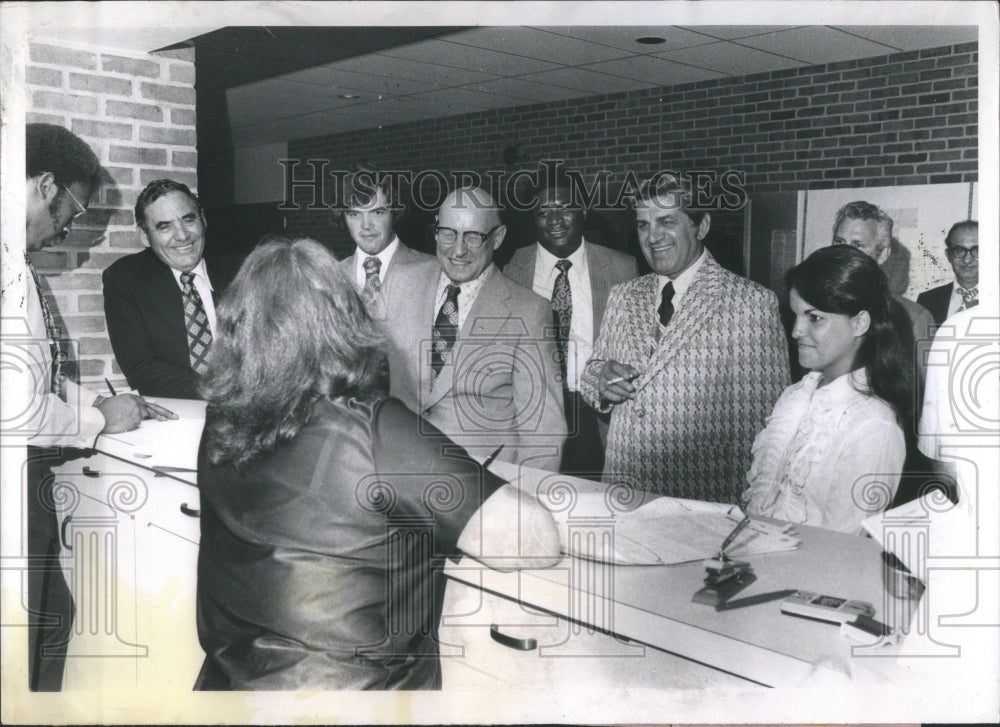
[471, 351]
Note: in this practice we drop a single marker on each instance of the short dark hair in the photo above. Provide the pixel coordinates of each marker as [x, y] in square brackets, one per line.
[292, 329]
[673, 187]
[360, 189]
[156, 189]
[54, 149]
[552, 177]
[963, 226]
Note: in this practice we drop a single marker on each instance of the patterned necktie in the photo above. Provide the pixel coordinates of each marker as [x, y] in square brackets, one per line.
[445, 332]
[970, 297]
[562, 309]
[372, 283]
[199, 335]
[666, 309]
[59, 355]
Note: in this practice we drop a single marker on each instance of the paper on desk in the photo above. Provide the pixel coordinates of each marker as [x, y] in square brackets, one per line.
[171, 443]
[671, 530]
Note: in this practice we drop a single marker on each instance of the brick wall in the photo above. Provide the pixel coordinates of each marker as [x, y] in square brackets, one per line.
[906, 118]
[137, 112]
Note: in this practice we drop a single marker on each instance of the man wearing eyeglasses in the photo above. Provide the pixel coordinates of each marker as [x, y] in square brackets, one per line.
[468, 346]
[576, 276]
[369, 209]
[61, 418]
[160, 303]
[962, 249]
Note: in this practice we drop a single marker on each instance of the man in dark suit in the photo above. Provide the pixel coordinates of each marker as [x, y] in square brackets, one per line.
[962, 249]
[468, 349]
[577, 277]
[369, 209]
[160, 303]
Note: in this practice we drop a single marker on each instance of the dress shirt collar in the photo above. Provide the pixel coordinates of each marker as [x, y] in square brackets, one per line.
[843, 388]
[547, 261]
[683, 281]
[200, 273]
[467, 296]
[385, 257]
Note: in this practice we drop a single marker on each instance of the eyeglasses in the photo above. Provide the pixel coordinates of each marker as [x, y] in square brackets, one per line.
[957, 252]
[472, 239]
[82, 210]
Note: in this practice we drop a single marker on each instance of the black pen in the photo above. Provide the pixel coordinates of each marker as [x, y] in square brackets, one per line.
[732, 536]
[110, 387]
[489, 460]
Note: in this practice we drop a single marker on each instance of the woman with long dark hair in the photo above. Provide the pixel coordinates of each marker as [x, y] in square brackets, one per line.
[832, 450]
[326, 509]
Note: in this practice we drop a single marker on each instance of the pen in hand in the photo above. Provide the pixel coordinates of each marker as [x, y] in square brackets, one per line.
[619, 379]
[110, 387]
[732, 536]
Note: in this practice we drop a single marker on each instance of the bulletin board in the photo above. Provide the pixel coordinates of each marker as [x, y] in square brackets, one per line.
[922, 216]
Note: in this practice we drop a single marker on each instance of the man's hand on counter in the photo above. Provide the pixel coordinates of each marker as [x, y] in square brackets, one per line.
[125, 412]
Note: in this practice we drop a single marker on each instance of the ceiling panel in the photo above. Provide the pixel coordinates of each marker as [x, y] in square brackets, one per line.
[587, 81]
[913, 37]
[537, 43]
[456, 55]
[654, 71]
[817, 44]
[730, 59]
[472, 100]
[624, 37]
[730, 32]
[531, 91]
[403, 69]
[340, 80]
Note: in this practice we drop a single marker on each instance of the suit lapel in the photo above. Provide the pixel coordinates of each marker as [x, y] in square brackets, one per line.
[599, 286]
[486, 318]
[700, 304]
[164, 296]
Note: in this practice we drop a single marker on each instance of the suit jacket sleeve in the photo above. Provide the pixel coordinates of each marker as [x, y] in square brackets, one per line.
[149, 374]
[605, 349]
[536, 353]
[765, 371]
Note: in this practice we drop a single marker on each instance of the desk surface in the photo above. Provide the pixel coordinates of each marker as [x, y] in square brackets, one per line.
[171, 446]
[652, 604]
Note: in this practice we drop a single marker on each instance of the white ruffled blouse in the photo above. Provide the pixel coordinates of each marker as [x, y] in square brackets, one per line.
[828, 456]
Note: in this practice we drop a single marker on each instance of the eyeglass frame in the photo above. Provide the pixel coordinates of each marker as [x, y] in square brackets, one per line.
[82, 209]
[484, 236]
[952, 251]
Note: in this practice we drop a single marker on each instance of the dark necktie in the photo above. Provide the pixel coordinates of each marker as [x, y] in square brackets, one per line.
[445, 332]
[199, 335]
[52, 332]
[562, 309]
[970, 297]
[666, 309]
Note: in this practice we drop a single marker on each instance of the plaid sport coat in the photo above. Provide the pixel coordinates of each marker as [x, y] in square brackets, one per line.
[705, 389]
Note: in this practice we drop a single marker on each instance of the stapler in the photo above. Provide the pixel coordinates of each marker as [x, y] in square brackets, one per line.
[725, 577]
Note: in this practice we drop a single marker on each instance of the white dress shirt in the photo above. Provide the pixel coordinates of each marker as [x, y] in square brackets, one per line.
[385, 257]
[681, 283]
[581, 326]
[956, 300]
[204, 287]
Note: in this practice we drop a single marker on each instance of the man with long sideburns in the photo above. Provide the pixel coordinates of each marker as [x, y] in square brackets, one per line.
[468, 346]
[689, 361]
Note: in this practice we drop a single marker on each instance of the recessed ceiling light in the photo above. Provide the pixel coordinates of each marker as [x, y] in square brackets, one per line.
[651, 40]
[347, 95]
